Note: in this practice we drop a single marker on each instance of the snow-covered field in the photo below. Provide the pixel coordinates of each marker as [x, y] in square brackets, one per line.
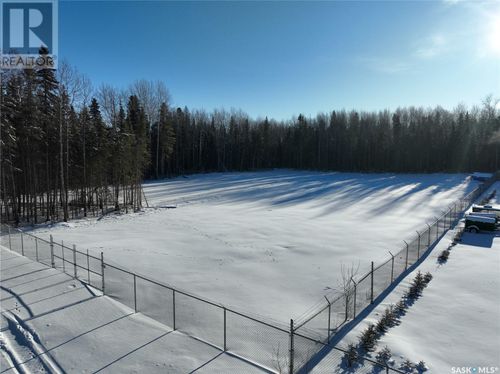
[270, 243]
[455, 325]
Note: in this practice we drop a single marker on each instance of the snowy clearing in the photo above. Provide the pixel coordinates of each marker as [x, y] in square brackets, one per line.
[270, 243]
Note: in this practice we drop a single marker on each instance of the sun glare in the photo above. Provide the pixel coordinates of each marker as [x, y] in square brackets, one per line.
[494, 35]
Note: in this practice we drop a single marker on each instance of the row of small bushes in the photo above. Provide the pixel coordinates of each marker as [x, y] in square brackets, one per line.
[389, 318]
[445, 253]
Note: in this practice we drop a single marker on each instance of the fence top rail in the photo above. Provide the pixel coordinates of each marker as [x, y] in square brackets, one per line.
[258, 321]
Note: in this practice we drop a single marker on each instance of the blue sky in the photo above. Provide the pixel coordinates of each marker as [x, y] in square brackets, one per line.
[284, 58]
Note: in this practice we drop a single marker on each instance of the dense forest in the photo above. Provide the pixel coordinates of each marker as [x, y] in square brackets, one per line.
[70, 150]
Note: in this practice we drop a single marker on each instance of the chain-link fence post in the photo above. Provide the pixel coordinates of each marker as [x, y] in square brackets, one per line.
[62, 253]
[135, 293]
[102, 272]
[392, 266]
[371, 285]
[225, 330]
[10, 241]
[75, 272]
[291, 348]
[429, 236]
[173, 308]
[22, 243]
[88, 266]
[52, 262]
[354, 303]
[418, 246]
[36, 248]
[329, 319]
[406, 261]
[347, 298]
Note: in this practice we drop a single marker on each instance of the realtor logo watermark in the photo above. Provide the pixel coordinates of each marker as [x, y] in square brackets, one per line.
[474, 369]
[27, 26]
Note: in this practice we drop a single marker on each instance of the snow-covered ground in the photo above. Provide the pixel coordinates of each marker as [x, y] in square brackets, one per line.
[51, 323]
[455, 324]
[270, 243]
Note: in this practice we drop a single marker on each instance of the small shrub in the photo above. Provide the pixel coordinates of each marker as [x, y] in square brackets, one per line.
[427, 278]
[458, 236]
[400, 307]
[381, 326]
[443, 257]
[390, 316]
[387, 320]
[421, 367]
[368, 338]
[416, 287]
[407, 366]
[419, 280]
[383, 356]
[351, 355]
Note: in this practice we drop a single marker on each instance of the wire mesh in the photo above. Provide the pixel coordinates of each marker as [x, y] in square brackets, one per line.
[29, 244]
[382, 278]
[15, 241]
[82, 267]
[257, 341]
[363, 293]
[119, 285]
[95, 267]
[320, 326]
[338, 312]
[424, 235]
[44, 252]
[155, 301]
[304, 350]
[199, 318]
[413, 251]
[58, 253]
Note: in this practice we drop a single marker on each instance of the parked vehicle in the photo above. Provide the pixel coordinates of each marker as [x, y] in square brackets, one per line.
[490, 215]
[486, 209]
[474, 223]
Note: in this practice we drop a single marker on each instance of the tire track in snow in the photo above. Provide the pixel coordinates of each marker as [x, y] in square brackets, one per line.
[9, 356]
[24, 347]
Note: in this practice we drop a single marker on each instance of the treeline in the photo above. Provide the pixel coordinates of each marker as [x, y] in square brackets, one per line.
[68, 150]
[406, 140]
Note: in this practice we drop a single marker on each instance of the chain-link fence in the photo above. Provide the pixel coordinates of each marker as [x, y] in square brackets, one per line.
[277, 347]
